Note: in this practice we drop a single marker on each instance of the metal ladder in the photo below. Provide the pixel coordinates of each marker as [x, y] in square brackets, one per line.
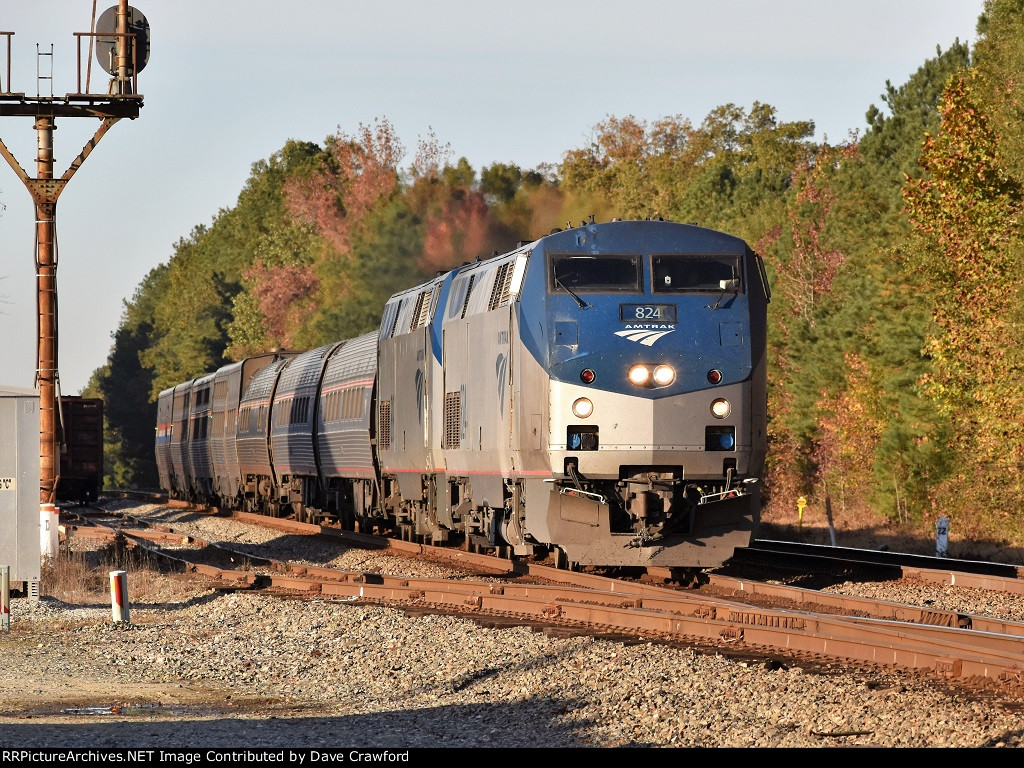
[40, 77]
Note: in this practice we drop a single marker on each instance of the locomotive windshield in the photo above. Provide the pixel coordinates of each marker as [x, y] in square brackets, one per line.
[594, 274]
[676, 274]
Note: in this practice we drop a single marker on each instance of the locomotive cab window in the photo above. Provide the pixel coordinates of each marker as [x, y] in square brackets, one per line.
[680, 274]
[593, 274]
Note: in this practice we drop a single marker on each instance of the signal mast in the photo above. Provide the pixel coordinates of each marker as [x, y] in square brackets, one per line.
[120, 39]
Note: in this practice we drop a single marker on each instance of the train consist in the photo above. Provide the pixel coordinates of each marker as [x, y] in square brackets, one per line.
[598, 395]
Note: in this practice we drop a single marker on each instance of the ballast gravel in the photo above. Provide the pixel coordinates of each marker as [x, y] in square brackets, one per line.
[198, 667]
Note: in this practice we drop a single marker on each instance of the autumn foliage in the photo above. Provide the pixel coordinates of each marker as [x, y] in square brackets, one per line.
[896, 326]
[967, 212]
[354, 175]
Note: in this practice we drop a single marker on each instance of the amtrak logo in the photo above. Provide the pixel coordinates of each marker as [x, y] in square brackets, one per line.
[645, 334]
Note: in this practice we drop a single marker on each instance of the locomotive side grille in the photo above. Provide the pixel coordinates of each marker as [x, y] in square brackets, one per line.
[469, 291]
[417, 313]
[424, 305]
[499, 293]
[433, 301]
[398, 315]
[452, 419]
[506, 282]
[384, 426]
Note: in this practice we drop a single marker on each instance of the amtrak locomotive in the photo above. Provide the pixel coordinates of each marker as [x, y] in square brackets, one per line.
[598, 395]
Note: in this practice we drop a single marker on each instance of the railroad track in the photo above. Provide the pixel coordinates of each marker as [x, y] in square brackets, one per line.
[1000, 577]
[741, 617]
[781, 556]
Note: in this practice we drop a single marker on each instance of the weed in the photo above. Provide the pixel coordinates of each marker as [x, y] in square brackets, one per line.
[83, 577]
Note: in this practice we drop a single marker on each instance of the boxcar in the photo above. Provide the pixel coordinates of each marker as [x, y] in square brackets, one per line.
[80, 435]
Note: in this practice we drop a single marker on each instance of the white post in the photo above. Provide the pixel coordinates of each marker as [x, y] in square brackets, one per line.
[119, 596]
[49, 521]
[941, 536]
[5, 597]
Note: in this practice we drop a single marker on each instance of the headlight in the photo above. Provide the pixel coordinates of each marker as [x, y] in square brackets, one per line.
[639, 375]
[582, 408]
[651, 376]
[720, 408]
[664, 375]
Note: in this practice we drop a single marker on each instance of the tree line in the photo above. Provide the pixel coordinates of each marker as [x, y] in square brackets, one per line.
[895, 258]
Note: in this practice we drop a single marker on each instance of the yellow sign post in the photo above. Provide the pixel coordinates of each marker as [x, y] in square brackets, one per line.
[800, 504]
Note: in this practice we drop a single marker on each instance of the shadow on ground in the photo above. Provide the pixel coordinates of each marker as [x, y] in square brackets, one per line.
[531, 723]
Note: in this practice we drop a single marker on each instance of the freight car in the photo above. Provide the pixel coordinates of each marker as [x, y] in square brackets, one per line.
[598, 395]
[80, 435]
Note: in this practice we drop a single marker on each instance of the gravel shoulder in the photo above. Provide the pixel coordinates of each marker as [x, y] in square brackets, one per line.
[198, 667]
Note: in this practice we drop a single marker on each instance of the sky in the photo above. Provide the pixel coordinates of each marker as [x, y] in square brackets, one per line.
[228, 82]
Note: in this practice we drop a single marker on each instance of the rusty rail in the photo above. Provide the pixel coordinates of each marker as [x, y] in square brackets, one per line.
[650, 612]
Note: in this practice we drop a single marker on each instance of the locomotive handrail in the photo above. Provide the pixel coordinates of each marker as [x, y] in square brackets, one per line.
[565, 490]
[727, 493]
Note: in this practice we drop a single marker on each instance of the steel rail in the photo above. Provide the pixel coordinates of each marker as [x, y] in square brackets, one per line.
[949, 653]
[807, 598]
[999, 577]
[886, 557]
[969, 574]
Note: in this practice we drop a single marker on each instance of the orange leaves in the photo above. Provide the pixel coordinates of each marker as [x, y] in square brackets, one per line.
[966, 209]
[315, 200]
[358, 173]
[623, 139]
[810, 271]
[967, 201]
[367, 167]
[458, 233]
[850, 428]
[281, 292]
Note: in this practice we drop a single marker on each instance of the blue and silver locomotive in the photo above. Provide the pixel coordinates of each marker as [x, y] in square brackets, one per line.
[598, 395]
